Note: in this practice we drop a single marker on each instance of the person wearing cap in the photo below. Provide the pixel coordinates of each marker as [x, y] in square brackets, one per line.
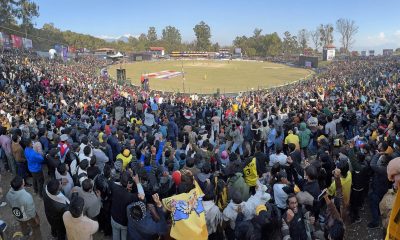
[146, 221]
[125, 156]
[296, 222]
[74, 220]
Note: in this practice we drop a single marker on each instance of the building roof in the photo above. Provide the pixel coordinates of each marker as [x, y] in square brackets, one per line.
[105, 49]
[329, 46]
[156, 49]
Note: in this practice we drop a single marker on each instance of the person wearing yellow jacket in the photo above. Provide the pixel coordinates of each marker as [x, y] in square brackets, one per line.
[125, 157]
[250, 174]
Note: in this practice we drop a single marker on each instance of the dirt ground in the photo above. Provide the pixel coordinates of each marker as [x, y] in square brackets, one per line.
[353, 232]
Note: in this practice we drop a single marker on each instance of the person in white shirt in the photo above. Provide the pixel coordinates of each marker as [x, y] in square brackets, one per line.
[149, 118]
[63, 175]
[277, 157]
[330, 127]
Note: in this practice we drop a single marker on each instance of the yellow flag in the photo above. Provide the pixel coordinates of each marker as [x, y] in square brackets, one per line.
[393, 230]
[187, 213]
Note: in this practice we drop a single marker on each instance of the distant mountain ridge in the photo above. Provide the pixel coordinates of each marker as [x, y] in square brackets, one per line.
[110, 39]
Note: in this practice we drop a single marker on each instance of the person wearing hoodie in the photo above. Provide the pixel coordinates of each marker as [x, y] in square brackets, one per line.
[204, 176]
[172, 131]
[23, 208]
[146, 222]
[231, 211]
[304, 137]
[236, 183]
[35, 161]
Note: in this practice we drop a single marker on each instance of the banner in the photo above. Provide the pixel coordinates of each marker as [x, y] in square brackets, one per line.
[167, 74]
[16, 41]
[6, 40]
[58, 48]
[71, 49]
[27, 43]
[65, 53]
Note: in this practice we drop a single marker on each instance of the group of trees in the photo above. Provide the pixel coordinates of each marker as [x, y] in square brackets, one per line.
[272, 45]
[323, 34]
[259, 45]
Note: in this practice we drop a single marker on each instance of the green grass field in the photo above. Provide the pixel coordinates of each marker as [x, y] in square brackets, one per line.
[208, 75]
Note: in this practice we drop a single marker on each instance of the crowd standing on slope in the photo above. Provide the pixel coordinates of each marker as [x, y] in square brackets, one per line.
[295, 162]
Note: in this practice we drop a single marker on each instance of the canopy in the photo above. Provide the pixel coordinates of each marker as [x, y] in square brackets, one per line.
[118, 55]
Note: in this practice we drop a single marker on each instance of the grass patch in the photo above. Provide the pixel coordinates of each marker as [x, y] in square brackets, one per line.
[209, 75]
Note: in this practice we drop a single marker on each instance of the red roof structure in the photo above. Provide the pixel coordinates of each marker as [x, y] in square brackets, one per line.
[156, 49]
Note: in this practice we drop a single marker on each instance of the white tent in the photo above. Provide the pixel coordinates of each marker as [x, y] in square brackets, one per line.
[52, 53]
[118, 55]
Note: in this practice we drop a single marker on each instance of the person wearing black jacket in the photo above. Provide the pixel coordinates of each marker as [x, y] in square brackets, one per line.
[121, 197]
[55, 204]
[261, 160]
[360, 180]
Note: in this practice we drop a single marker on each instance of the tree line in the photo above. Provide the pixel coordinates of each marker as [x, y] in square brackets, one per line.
[257, 45]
